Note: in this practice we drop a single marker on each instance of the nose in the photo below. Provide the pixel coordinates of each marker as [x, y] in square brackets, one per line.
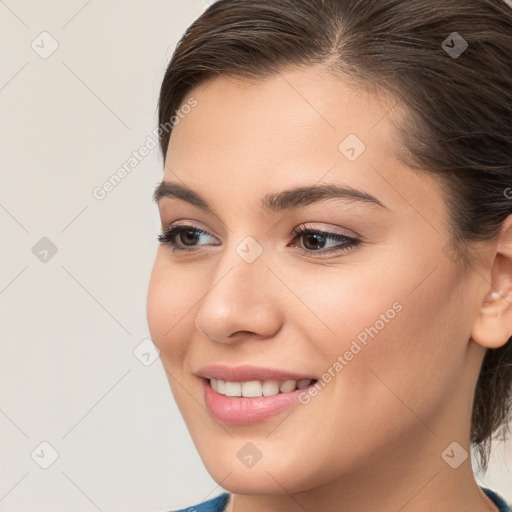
[241, 301]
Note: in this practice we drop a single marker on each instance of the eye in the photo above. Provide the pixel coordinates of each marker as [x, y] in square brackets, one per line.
[182, 238]
[317, 240]
[186, 235]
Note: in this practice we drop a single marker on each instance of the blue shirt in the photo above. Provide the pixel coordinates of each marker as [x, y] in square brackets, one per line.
[218, 503]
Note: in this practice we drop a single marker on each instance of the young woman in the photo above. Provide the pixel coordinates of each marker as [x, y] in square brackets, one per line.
[332, 292]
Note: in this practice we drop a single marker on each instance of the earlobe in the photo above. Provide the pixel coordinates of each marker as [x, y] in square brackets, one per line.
[493, 324]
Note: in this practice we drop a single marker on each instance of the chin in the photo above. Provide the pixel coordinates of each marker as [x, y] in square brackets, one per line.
[272, 474]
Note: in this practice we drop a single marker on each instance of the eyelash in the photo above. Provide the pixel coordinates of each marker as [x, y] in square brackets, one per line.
[167, 237]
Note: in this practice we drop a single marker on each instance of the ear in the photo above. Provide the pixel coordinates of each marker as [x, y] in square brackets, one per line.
[493, 325]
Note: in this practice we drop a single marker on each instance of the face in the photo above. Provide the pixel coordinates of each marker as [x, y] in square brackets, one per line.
[364, 299]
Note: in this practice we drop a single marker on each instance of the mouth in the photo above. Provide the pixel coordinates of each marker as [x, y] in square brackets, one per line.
[249, 402]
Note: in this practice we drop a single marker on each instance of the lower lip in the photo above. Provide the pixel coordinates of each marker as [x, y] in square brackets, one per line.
[241, 410]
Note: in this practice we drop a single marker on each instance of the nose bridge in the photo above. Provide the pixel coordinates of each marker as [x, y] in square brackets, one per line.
[237, 298]
[239, 274]
[242, 265]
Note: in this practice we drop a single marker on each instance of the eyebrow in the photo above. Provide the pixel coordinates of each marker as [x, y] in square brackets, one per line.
[275, 201]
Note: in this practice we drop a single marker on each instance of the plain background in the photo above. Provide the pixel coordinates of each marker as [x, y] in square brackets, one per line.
[70, 325]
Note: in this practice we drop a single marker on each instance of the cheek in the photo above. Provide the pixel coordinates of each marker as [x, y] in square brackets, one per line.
[170, 322]
[168, 309]
[417, 358]
[399, 340]
[346, 304]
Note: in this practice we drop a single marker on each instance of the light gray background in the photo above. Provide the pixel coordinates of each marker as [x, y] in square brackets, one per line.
[69, 326]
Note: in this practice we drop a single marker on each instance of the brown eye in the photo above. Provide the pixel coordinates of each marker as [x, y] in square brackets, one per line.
[314, 241]
[186, 236]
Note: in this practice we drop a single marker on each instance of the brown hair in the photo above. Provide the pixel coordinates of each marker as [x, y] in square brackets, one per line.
[458, 106]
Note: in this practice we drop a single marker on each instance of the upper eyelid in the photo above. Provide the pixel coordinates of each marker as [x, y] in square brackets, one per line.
[328, 231]
[186, 224]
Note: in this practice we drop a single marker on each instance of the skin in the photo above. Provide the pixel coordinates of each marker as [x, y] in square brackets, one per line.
[372, 439]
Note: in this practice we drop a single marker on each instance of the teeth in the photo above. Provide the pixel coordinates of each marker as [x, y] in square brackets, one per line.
[301, 384]
[287, 386]
[255, 388]
[251, 388]
[233, 389]
[270, 388]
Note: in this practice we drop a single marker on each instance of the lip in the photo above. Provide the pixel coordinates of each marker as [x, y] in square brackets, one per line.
[244, 373]
[244, 410]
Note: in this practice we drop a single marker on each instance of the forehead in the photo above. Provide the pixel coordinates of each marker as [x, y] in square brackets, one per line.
[296, 105]
[299, 114]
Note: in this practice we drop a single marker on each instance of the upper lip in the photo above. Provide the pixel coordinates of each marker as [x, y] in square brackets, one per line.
[244, 373]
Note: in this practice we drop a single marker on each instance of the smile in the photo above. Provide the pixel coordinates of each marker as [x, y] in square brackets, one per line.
[268, 398]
